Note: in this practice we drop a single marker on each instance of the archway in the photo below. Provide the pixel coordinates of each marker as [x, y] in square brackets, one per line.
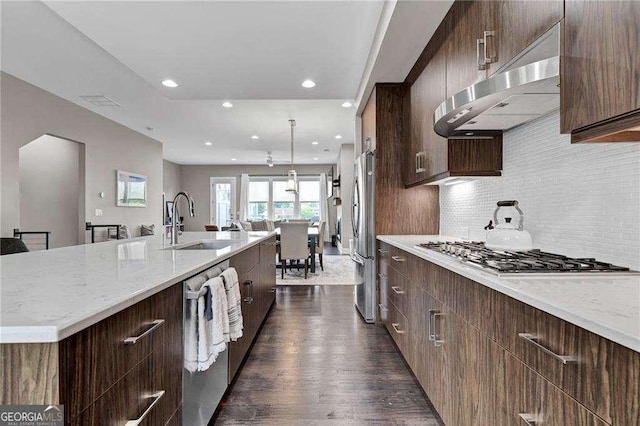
[52, 188]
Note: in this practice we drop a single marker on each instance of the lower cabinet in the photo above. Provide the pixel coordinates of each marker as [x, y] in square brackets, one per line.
[463, 345]
[126, 367]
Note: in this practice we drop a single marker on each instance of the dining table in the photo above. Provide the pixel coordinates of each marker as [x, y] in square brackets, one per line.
[313, 243]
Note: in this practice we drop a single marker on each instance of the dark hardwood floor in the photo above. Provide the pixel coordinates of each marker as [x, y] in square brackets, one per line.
[316, 362]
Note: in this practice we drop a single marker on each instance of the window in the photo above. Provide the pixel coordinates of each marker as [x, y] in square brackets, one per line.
[258, 200]
[309, 194]
[268, 199]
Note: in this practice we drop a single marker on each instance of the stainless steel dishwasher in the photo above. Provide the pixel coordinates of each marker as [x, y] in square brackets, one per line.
[203, 390]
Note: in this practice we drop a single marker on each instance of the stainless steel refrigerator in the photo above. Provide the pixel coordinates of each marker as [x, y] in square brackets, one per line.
[364, 234]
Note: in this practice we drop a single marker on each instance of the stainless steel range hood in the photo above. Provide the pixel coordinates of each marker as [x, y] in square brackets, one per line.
[526, 88]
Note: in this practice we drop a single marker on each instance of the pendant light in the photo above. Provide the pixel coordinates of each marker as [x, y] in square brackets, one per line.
[292, 177]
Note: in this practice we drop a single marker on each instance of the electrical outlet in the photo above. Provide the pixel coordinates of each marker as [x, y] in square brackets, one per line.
[98, 212]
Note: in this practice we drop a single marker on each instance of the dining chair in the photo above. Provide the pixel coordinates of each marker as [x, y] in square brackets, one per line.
[294, 244]
[211, 228]
[320, 242]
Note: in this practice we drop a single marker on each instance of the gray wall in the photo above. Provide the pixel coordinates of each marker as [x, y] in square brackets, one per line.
[28, 112]
[171, 184]
[195, 180]
[50, 186]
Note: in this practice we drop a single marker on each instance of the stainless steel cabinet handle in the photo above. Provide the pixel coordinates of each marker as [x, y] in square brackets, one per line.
[528, 419]
[381, 250]
[382, 276]
[437, 341]
[398, 258]
[154, 325]
[397, 290]
[382, 307]
[432, 333]
[490, 59]
[156, 397]
[249, 299]
[482, 63]
[420, 157]
[396, 329]
[530, 338]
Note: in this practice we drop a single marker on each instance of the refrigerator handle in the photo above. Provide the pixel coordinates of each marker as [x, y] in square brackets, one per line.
[355, 218]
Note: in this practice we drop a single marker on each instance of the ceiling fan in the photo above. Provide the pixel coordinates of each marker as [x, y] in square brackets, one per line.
[271, 162]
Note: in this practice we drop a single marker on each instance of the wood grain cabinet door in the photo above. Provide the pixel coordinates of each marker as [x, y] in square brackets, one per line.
[268, 274]
[95, 358]
[469, 369]
[427, 151]
[467, 23]
[600, 76]
[517, 24]
[598, 373]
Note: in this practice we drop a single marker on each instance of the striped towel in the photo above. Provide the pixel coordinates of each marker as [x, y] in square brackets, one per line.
[205, 339]
[234, 302]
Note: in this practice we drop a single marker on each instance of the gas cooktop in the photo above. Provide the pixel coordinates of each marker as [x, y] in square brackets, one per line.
[512, 262]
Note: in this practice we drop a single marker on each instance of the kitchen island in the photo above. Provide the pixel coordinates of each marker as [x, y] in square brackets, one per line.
[82, 325]
[551, 348]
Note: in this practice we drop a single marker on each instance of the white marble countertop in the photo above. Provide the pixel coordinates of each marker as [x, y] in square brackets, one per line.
[606, 305]
[46, 296]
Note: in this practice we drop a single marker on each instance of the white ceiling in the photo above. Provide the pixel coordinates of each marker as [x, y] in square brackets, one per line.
[254, 54]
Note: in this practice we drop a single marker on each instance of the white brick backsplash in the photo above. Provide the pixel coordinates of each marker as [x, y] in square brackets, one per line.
[580, 200]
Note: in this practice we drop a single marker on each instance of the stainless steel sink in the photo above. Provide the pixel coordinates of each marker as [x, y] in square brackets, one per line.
[204, 245]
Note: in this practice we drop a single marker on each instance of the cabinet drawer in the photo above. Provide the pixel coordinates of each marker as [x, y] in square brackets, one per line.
[245, 260]
[524, 394]
[394, 257]
[399, 290]
[582, 364]
[127, 400]
[398, 327]
[97, 357]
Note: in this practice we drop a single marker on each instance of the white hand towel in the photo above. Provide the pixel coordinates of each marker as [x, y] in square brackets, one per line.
[234, 302]
[205, 344]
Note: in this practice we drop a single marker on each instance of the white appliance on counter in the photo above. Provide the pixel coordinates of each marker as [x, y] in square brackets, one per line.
[364, 234]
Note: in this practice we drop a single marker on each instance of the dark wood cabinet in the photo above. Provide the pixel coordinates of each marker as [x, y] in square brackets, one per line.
[461, 340]
[517, 24]
[465, 25]
[382, 124]
[426, 150]
[600, 77]
[104, 379]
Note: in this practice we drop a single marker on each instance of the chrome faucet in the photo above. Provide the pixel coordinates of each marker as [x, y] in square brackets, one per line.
[192, 213]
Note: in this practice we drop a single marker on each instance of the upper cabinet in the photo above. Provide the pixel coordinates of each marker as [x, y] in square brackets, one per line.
[464, 27]
[426, 149]
[515, 25]
[483, 36]
[600, 77]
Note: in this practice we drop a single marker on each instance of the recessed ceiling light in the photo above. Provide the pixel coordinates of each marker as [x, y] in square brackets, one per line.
[254, 137]
[233, 159]
[208, 143]
[347, 104]
[315, 158]
[169, 83]
[338, 136]
[227, 104]
[308, 84]
[314, 143]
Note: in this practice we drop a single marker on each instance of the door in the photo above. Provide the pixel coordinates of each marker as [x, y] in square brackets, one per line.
[223, 201]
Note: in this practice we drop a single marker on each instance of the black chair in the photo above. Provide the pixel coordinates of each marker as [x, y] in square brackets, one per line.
[11, 246]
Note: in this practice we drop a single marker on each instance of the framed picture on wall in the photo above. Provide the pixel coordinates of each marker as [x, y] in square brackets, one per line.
[132, 189]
